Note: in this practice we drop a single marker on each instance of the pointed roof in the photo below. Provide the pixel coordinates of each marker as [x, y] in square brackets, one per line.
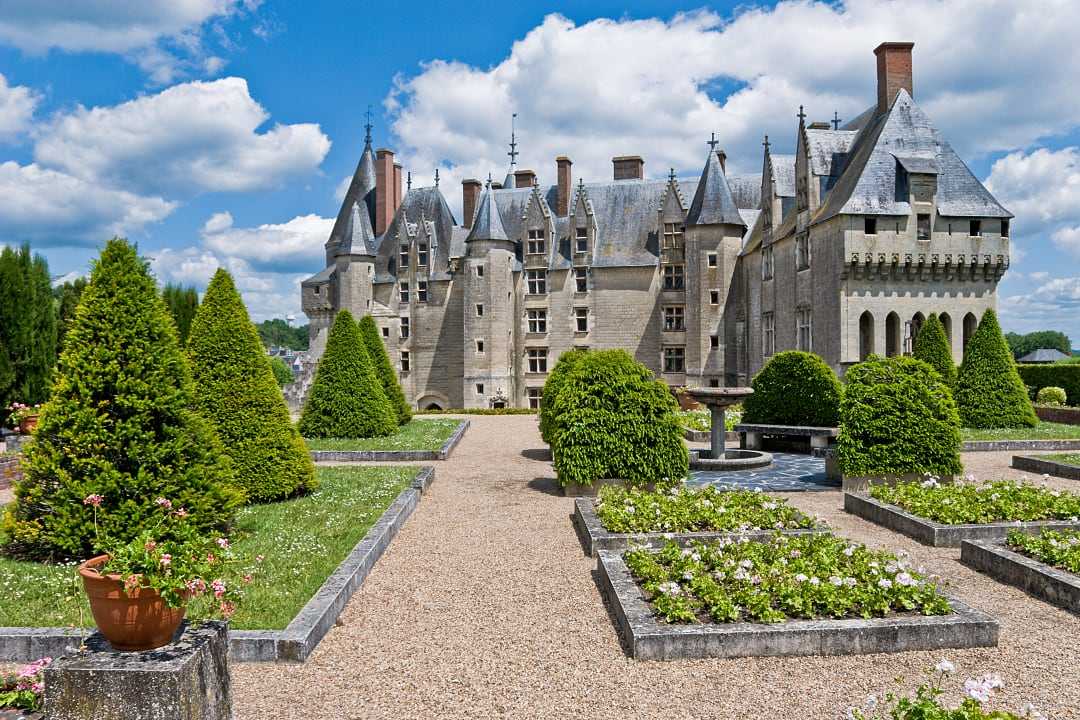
[358, 238]
[361, 190]
[713, 202]
[487, 225]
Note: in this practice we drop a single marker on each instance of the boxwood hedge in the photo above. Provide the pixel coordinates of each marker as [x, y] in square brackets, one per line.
[794, 388]
[989, 391]
[1065, 376]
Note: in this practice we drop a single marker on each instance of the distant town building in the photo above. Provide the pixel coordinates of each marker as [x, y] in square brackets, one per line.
[1044, 355]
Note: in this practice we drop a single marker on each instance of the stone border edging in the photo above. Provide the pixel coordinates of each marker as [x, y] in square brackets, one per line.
[297, 641]
[595, 538]
[394, 455]
[937, 534]
[647, 638]
[1055, 586]
[999, 445]
[1046, 467]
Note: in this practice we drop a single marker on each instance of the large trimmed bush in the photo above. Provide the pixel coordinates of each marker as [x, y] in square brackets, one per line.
[237, 392]
[567, 362]
[1062, 375]
[346, 399]
[989, 391]
[614, 420]
[1053, 396]
[119, 424]
[794, 388]
[897, 417]
[932, 347]
[369, 331]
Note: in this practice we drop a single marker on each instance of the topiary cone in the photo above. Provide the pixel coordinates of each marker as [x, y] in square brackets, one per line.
[369, 331]
[989, 391]
[932, 347]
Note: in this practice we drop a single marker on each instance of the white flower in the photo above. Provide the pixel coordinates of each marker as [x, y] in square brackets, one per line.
[976, 690]
[850, 581]
[686, 552]
[795, 554]
[688, 575]
[770, 506]
[669, 588]
[629, 510]
[944, 666]
[746, 564]
[755, 580]
[885, 583]
[849, 550]
[814, 581]
[891, 568]
[835, 580]
[871, 702]
[801, 578]
[695, 557]
[904, 579]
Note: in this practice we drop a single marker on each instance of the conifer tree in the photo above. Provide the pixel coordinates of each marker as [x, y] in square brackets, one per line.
[237, 392]
[932, 346]
[346, 399]
[183, 303]
[989, 391]
[119, 424]
[27, 327]
[369, 331]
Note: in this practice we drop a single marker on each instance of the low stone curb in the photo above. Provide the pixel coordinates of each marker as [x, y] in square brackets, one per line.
[1057, 587]
[394, 455]
[594, 538]
[1046, 467]
[647, 638]
[293, 644]
[937, 534]
[1054, 414]
[1000, 445]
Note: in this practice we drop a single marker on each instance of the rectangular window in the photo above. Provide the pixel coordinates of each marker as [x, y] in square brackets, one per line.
[479, 347]
[714, 297]
[714, 382]
[581, 240]
[673, 236]
[674, 318]
[537, 360]
[479, 271]
[767, 263]
[768, 334]
[674, 359]
[404, 361]
[1005, 227]
[536, 244]
[403, 291]
[976, 228]
[581, 319]
[404, 328]
[535, 394]
[674, 278]
[870, 226]
[421, 291]
[537, 280]
[712, 259]
[714, 341]
[403, 254]
[316, 290]
[479, 388]
[479, 310]
[581, 279]
[386, 332]
[422, 255]
[923, 227]
[538, 321]
[803, 321]
[802, 252]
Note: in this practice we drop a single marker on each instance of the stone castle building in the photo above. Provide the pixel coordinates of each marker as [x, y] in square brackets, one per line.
[843, 249]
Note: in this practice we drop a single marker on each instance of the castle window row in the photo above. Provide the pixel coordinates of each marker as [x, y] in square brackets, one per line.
[537, 244]
[537, 359]
[537, 281]
[537, 321]
[674, 277]
[581, 319]
[581, 240]
[534, 394]
[674, 359]
[675, 318]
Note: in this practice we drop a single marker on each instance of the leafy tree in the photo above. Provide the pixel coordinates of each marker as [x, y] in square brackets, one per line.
[369, 332]
[567, 362]
[183, 304]
[278, 333]
[794, 388]
[1021, 345]
[346, 399]
[237, 392]
[119, 424]
[932, 347]
[67, 301]
[282, 373]
[989, 391]
[27, 327]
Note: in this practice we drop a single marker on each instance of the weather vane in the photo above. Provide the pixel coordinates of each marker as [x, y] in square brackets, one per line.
[513, 140]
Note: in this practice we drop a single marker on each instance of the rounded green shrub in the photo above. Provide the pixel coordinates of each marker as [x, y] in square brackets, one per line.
[346, 399]
[897, 417]
[237, 393]
[369, 331]
[614, 420]
[989, 391]
[1051, 396]
[932, 347]
[794, 388]
[567, 362]
[119, 424]
[282, 374]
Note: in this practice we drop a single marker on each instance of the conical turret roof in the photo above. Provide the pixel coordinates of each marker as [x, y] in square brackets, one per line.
[361, 191]
[713, 203]
[487, 225]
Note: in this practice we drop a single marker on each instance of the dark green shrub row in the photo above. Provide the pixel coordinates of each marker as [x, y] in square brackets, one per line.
[794, 388]
[1065, 376]
[567, 362]
[989, 391]
[479, 411]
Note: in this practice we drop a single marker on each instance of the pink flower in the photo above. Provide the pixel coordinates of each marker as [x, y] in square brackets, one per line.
[181, 513]
[210, 558]
[94, 500]
[197, 586]
[222, 543]
[150, 545]
[166, 559]
[219, 587]
[227, 609]
[247, 578]
[131, 582]
[259, 558]
[164, 502]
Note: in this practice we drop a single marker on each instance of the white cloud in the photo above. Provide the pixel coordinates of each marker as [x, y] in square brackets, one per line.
[218, 222]
[192, 137]
[1041, 187]
[1068, 239]
[67, 277]
[17, 104]
[53, 208]
[272, 246]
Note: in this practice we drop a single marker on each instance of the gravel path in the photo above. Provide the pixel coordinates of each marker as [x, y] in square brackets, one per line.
[485, 606]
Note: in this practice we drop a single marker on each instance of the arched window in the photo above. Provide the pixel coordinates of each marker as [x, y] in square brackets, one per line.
[866, 335]
[892, 334]
[917, 321]
[970, 323]
[946, 322]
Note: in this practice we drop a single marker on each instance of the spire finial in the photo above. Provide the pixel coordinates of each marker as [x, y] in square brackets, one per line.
[408, 180]
[513, 141]
[436, 177]
[766, 143]
[367, 126]
[489, 181]
[671, 175]
[836, 120]
[712, 142]
[801, 115]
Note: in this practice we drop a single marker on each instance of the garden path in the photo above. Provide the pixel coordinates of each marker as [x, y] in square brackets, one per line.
[485, 607]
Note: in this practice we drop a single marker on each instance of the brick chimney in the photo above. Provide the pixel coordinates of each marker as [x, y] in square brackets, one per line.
[470, 193]
[397, 186]
[628, 167]
[893, 72]
[524, 178]
[722, 156]
[385, 195]
[563, 200]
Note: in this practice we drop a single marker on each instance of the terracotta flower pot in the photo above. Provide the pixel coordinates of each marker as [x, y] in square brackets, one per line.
[139, 621]
[27, 424]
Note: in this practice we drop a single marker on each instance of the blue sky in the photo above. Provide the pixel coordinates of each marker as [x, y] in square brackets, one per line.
[218, 132]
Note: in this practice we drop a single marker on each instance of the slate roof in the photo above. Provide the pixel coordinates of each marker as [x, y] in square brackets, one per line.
[713, 203]
[1044, 355]
[425, 204]
[783, 174]
[827, 150]
[358, 237]
[488, 224]
[746, 190]
[361, 190]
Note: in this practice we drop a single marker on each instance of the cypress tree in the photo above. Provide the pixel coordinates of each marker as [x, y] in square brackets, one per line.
[346, 399]
[67, 296]
[183, 303]
[369, 331]
[119, 424]
[27, 327]
[932, 347]
[237, 392]
[989, 391]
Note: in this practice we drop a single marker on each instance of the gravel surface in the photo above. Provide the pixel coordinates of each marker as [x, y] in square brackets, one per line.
[485, 606]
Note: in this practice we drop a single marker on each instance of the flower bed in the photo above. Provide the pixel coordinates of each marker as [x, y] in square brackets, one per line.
[1062, 465]
[967, 503]
[1060, 549]
[1046, 565]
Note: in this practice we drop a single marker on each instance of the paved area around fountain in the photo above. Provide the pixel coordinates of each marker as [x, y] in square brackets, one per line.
[789, 472]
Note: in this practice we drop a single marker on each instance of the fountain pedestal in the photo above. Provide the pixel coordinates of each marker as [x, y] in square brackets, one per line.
[718, 400]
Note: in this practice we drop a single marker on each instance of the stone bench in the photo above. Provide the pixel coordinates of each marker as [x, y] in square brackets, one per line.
[753, 434]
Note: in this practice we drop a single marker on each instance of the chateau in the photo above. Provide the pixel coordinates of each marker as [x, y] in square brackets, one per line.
[842, 249]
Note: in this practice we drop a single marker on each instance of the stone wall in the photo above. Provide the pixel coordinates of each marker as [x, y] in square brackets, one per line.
[1065, 415]
[10, 470]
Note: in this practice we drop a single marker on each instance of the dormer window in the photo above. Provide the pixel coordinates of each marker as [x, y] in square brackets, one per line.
[422, 254]
[923, 227]
[536, 245]
[316, 290]
[673, 236]
[870, 226]
[581, 240]
[403, 256]
[976, 228]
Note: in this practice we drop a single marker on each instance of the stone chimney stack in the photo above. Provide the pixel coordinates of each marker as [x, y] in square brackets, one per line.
[385, 193]
[628, 167]
[893, 72]
[722, 156]
[470, 193]
[524, 178]
[397, 187]
[563, 201]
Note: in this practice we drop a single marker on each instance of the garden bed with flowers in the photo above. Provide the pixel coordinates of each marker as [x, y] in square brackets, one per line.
[943, 515]
[621, 517]
[416, 441]
[1046, 565]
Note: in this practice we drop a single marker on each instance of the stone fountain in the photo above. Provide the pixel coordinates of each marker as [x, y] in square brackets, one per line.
[719, 458]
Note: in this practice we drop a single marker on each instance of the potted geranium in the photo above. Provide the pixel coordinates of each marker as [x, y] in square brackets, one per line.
[140, 590]
[24, 417]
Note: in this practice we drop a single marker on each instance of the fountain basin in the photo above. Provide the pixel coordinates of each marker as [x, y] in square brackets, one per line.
[730, 460]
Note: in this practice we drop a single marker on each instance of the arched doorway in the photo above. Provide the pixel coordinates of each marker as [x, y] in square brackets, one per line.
[970, 323]
[866, 335]
[432, 406]
[892, 334]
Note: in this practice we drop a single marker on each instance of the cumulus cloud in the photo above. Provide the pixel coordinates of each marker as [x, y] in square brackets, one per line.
[192, 137]
[283, 246]
[17, 104]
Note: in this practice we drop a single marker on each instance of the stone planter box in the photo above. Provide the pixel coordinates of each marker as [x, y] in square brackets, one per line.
[648, 638]
[1034, 445]
[293, 644]
[1046, 467]
[579, 490]
[936, 534]
[1064, 415]
[394, 455]
[595, 538]
[1055, 586]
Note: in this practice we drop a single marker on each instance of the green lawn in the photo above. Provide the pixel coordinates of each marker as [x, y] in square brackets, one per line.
[1042, 431]
[302, 540]
[1063, 458]
[415, 435]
